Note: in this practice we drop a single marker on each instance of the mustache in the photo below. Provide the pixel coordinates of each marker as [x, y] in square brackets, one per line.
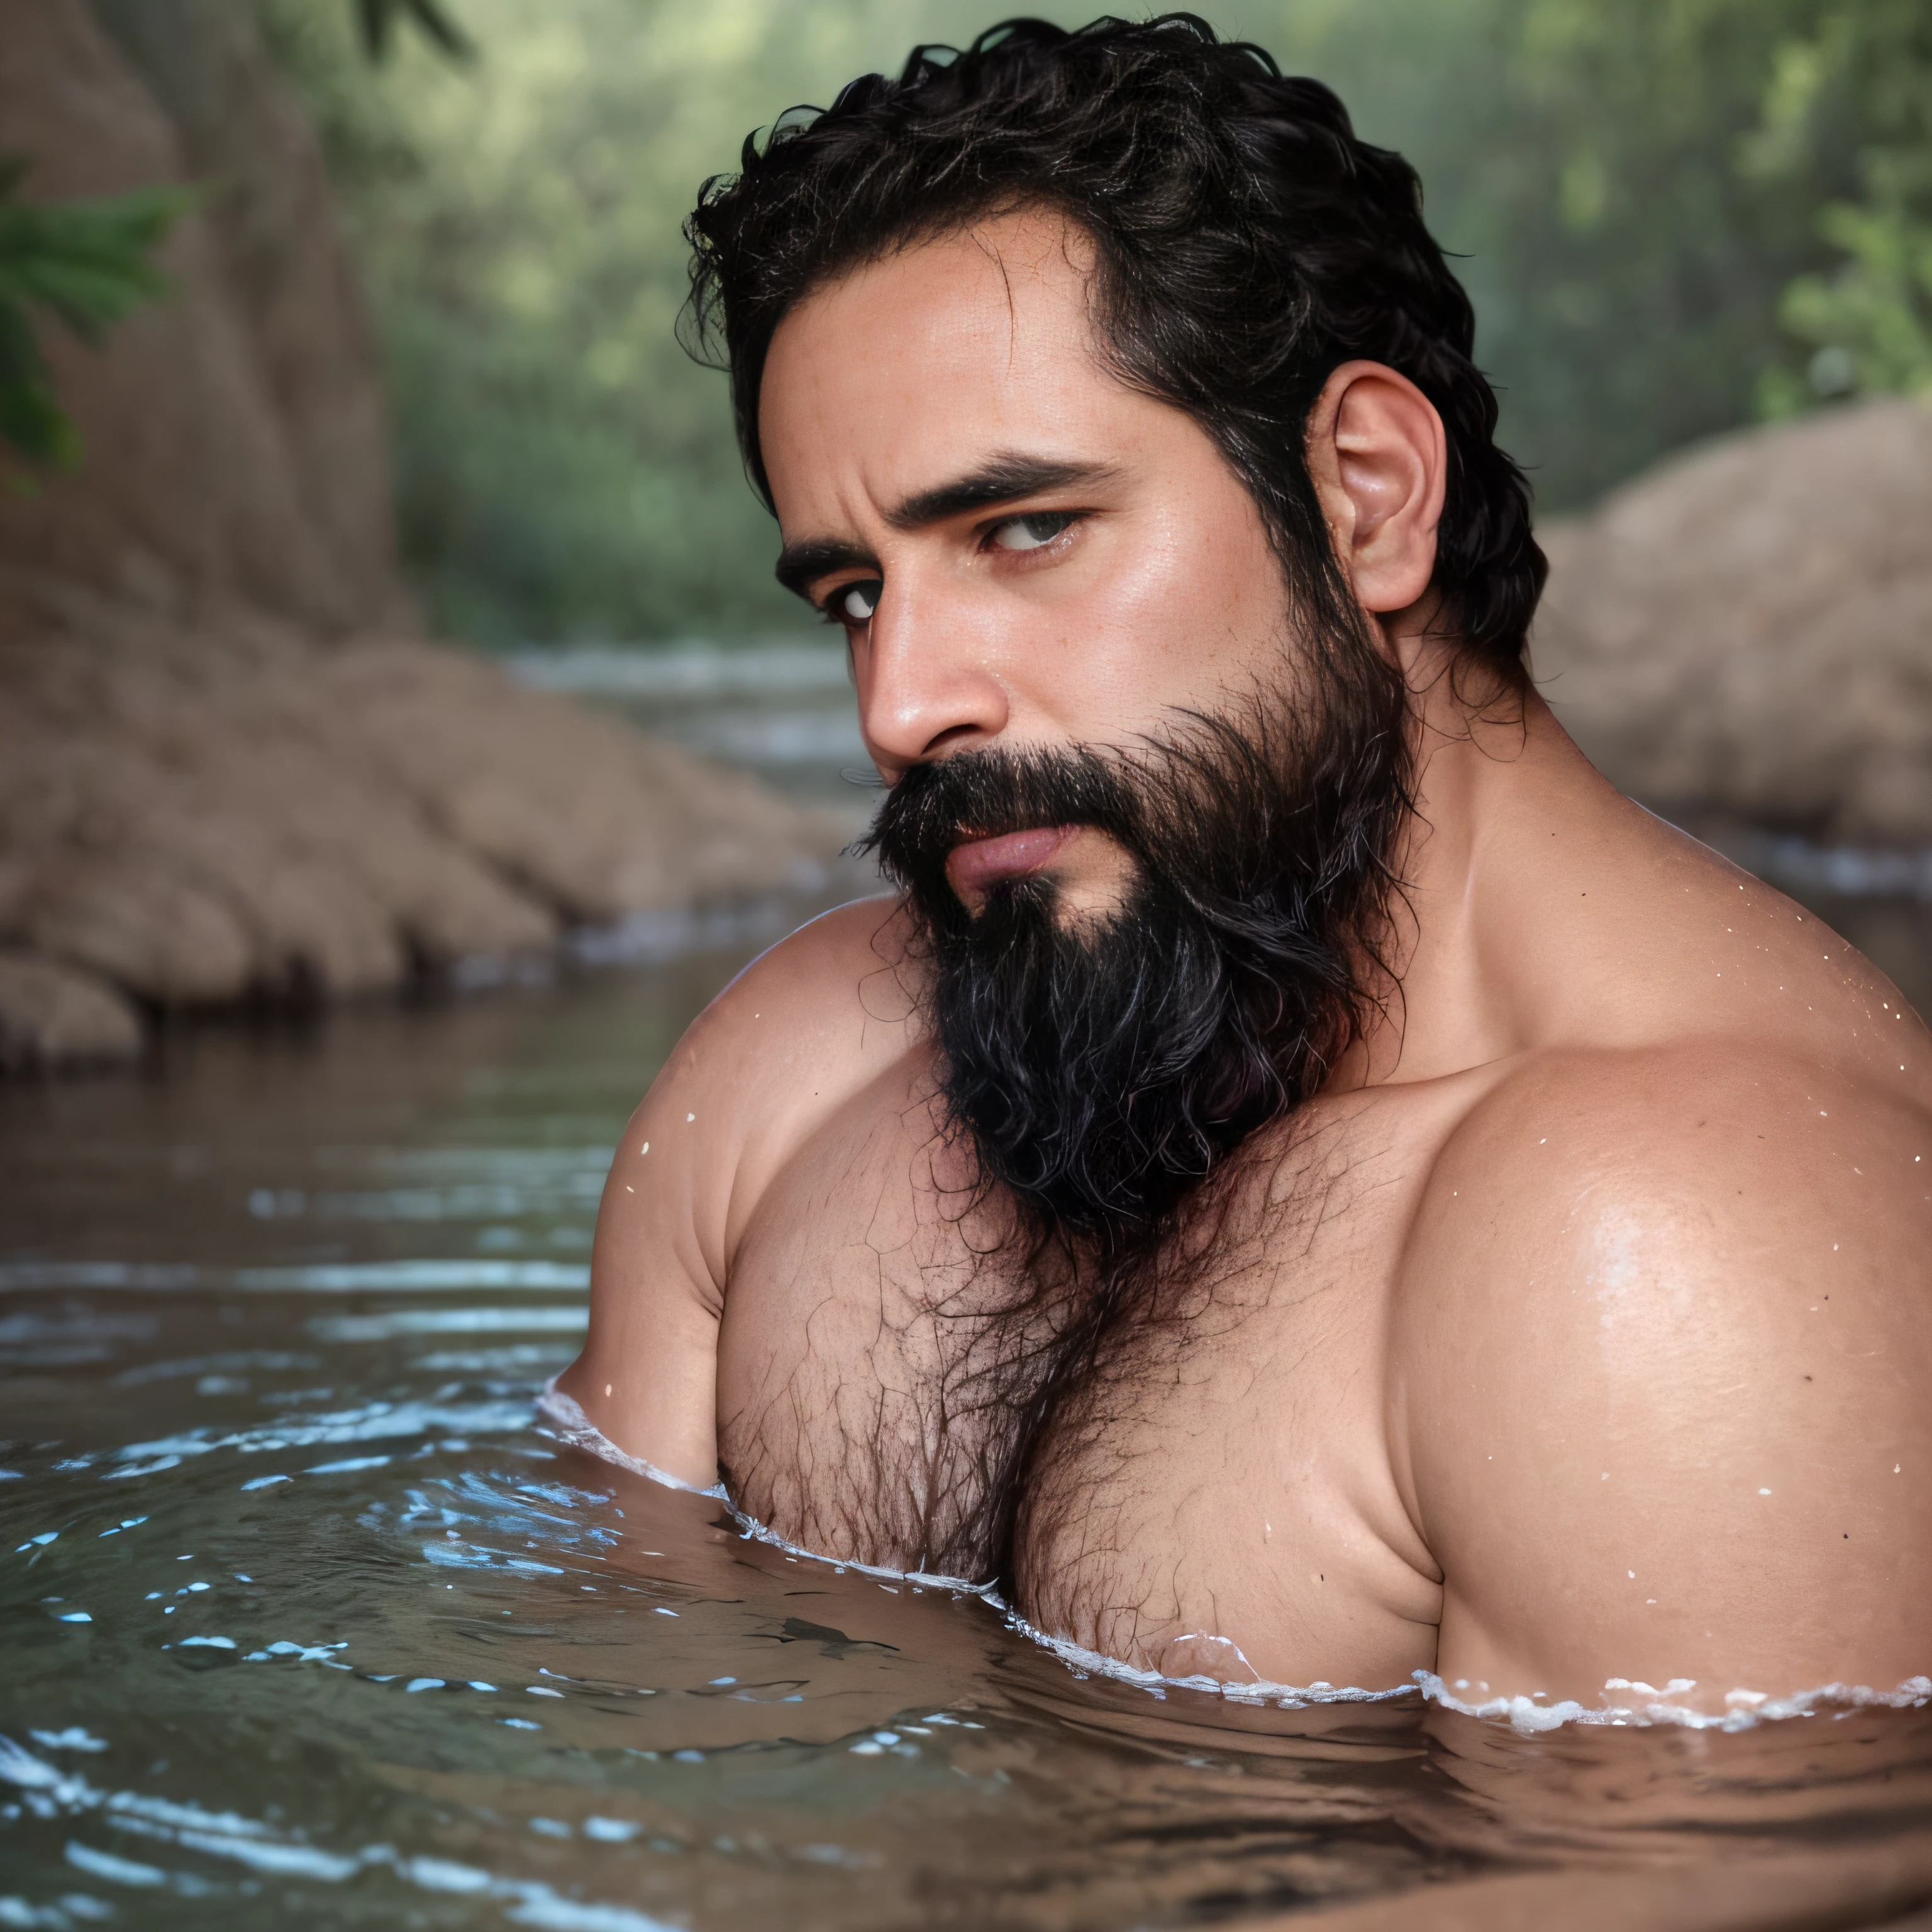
[1261, 859]
[985, 794]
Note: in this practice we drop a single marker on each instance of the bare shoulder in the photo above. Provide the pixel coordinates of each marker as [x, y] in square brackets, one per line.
[1660, 1342]
[826, 1003]
[811, 1021]
[807, 1024]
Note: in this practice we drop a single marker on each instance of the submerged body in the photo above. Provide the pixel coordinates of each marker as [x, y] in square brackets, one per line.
[1564, 1318]
[1595, 1350]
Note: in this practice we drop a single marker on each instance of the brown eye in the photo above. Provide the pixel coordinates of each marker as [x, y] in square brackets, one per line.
[857, 602]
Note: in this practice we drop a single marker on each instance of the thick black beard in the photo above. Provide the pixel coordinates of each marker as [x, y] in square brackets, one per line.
[1104, 1069]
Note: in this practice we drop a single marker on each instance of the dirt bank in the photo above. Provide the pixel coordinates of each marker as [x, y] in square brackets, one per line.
[192, 817]
[229, 771]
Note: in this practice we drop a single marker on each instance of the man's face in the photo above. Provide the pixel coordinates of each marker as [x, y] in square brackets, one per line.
[1048, 558]
[1137, 843]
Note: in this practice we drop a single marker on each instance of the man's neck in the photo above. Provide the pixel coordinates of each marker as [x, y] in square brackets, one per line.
[1503, 801]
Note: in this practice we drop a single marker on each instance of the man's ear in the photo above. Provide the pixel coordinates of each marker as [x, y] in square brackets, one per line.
[1379, 461]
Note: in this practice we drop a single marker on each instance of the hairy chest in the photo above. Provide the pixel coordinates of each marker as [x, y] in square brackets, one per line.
[1205, 1486]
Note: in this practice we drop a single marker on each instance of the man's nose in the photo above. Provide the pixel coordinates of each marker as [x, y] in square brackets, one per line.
[926, 684]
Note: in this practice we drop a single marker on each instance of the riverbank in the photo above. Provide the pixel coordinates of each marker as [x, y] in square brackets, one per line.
[220, 812]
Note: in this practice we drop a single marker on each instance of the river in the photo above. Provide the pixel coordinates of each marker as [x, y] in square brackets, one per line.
[306, 1621]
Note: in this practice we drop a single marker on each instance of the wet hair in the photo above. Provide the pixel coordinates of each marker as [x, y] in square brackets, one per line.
[1247, 245]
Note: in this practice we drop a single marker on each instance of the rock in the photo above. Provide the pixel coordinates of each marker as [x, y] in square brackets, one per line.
[287, 269]
[234, 448]
[51, 1016]
[224, 811]
[1745, 632]
[226, 771]
[589, 817]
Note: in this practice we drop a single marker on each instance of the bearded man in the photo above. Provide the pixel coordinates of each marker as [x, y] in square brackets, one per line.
[1304, 1182]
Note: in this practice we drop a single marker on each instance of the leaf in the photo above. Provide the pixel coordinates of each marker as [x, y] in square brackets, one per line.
[30, 420]
[85, 264]
[378, 19]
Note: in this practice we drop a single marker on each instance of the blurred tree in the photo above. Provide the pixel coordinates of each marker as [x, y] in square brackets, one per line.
[379, 19]
[562, 470]
[85, 264]
[1868, 62]
[1634, 185]
[1587, 159]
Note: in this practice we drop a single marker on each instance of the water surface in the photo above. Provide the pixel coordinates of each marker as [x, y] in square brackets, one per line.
[304, 1620]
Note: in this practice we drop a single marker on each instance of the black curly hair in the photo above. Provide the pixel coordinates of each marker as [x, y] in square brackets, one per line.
[1247, 244]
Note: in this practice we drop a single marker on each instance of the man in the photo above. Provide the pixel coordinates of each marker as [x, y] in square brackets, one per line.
[1305, 1182]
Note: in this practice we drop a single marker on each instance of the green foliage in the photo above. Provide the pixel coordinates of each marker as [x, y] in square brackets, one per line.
[85, 264]
[1634, 187]
[1868, 62]
[1587, 159]
[563, 470]
[379, 19]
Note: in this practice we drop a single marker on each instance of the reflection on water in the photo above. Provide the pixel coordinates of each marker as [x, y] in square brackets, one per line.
[785, 710]
[304, 1620]
[302, 1616]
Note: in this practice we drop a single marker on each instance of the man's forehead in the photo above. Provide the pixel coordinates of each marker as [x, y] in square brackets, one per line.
[989, 282]
[930, 363]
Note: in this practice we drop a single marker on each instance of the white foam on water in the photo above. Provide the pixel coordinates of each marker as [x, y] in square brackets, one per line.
[1743, 1709]
[565, 1417]
[1258, 1690]
[924, 1579]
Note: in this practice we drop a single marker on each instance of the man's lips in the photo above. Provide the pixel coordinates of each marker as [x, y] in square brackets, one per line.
[974, 867]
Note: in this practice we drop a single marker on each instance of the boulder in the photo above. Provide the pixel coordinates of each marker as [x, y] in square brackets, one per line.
[202, 814]
[289, 274]
[228, 772]
[1745, 632]
[234, 446]
[53, 1016]
[589, 816]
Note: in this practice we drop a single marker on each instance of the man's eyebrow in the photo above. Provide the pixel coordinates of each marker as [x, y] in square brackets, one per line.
[802, 563]
[1005, 479]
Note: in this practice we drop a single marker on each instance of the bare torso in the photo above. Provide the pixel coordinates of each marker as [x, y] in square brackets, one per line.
[1578, 1335]
[1226, 1469]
